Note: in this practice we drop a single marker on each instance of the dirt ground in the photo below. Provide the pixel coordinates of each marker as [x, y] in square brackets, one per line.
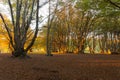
[60, 67]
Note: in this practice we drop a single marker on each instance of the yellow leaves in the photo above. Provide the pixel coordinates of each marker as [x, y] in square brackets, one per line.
[109, 52]
[61, 14]
[4, 40]
[4, 43]
[8, 22]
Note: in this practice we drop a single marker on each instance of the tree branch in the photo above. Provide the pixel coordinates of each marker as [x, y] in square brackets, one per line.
[36, 29]
[11, 11]
[8, 30]
[43, 4]
[113, 4]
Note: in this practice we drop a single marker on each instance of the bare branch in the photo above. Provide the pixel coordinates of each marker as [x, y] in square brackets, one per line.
[113, 4]
[36, 29]
[43, 4]
[8, 30]
[11, 11]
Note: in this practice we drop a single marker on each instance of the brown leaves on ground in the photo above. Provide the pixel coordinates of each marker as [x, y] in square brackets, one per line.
[60, 67]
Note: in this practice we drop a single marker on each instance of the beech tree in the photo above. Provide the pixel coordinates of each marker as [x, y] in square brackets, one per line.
[51, 17]
[22, 14]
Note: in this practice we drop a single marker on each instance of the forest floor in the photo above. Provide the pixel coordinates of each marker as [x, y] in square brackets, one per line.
[60, 67]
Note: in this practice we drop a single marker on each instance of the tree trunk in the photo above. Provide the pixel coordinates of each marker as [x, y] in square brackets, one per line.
[19, 52]
[48, 50]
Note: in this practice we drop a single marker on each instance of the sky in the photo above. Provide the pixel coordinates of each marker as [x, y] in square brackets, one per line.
[44, 11]
[4, 9]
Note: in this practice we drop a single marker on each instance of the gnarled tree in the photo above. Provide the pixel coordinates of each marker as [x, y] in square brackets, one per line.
[22, 14]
